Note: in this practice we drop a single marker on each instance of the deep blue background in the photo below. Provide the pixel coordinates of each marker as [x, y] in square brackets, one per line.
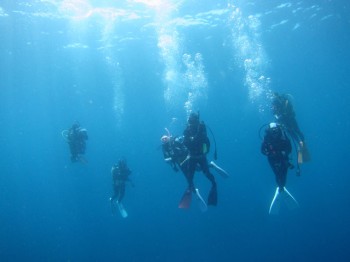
[56, 68]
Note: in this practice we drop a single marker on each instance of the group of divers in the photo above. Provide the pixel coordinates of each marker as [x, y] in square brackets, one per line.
[188, 153]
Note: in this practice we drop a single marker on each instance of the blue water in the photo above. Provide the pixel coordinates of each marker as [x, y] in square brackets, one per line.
[128, 69]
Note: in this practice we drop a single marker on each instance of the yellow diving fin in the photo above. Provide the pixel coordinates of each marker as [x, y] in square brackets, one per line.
[300, 157]
[303, 153]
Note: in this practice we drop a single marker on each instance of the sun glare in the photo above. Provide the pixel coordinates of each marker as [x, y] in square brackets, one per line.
[83, 9]
[76, 9]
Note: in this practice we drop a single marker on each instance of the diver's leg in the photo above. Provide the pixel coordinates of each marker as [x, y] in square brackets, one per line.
[213, 195]
[188, 168]
[283, 172]
[205, 167]
[121, 192]
[275, 165]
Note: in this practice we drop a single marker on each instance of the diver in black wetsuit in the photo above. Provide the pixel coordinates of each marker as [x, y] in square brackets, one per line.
[174, 151]
[283, 111]
[120, 175]
[198, 145]
[76, 138]
[277, 147]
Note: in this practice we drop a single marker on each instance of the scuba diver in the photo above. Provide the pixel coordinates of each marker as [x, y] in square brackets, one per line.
[196, 141]
[175, 153]
[76, 138]
[120, 175]
[283, 111]
[277, 147]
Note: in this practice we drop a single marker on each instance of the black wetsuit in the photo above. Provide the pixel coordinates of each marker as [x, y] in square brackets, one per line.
[175, 152]
[283, 110]
[119, 176]
[77, 137]
[277, 148]
[198, 145]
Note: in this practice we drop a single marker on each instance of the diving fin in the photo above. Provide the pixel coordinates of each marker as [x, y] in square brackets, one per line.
[213, 196]
[282, 197]
[202, 205]
[122, 210]
[300, 157]
[186, 199]
[303, 153]
[290, 201]
[219, 170]
[275, 204]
